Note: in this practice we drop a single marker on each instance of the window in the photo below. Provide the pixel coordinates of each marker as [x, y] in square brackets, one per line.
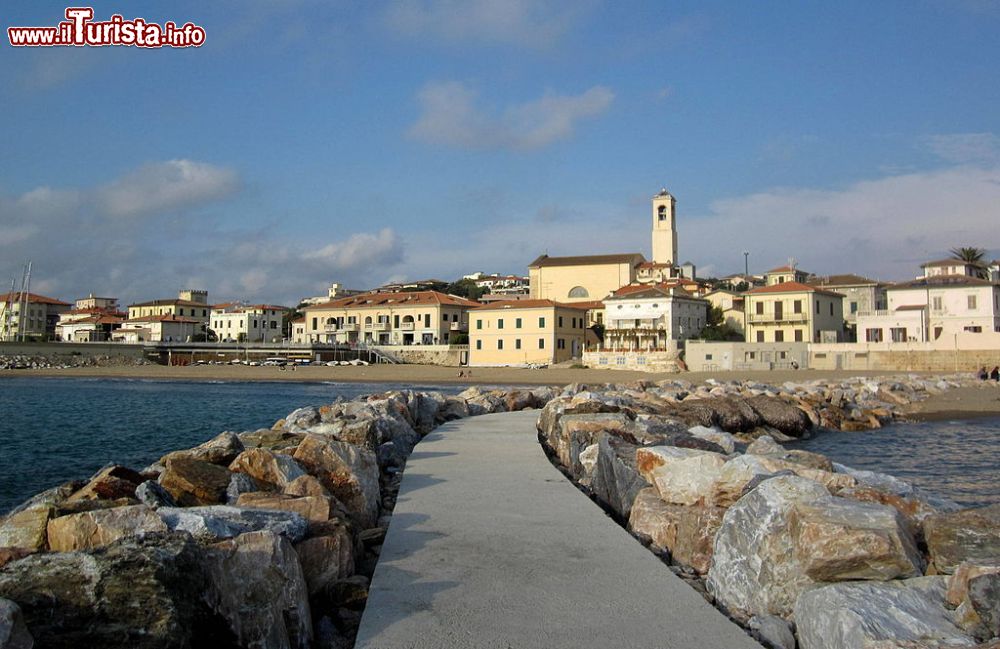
[936, 303]
[578, 291]
[760, 336]
[500, 343]
[274, 324]
[395, 322]
[797, 306]
[854, 307]
[798, 335]
[873, 335]
[661, 212]
[760, 308]
[817, 307]
[831, 308]
[972, 302]
[444, 317]
[517, 324]
[479, 324]
[315, 323]
[500, 323]
[179, 312]
[517, 343]
[708, 357]
[560, 322]
[561, 343]
[779, 336]
[479, 344]
[541, 343]
[541, 323]
[974, 329]
[898, 334]
[427, 320]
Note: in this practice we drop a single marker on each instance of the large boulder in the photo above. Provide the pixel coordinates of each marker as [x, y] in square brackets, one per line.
[110, 483]
[327, 557]
[315, 509]
[194, 482]
[219, 522]
[139, 593]
[855, 615]
[688, 533]
[732, 414]
[616, 481]
[272, 470]
[349, 473]
[968, 535]
[681, 476]
[25, 529]
[974, 593]
[96, 528]
[260, 589]
[13, 633]
[221, 449]
[577, 432]
[780, 414]
[299, 420]
[788, 534]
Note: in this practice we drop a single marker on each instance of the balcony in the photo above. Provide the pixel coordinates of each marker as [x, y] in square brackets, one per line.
[378, 326]
[350, 326]
[781, 317]
[331, 328]
[457, 326]
[406, 326]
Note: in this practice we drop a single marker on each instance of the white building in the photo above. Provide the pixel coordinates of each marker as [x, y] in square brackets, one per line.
[931, 307]
[37, 320]
[651, 317]
[944, 267]
[237, 322]
[335, 292]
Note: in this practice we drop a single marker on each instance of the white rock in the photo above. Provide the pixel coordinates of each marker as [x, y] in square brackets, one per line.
[682, 476]
[217, 522]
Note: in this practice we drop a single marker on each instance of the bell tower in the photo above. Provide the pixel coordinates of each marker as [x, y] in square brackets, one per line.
[664, 229]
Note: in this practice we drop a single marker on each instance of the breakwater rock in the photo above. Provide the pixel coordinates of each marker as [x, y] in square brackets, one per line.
[264, 538]
[800, 550]
[63, 361]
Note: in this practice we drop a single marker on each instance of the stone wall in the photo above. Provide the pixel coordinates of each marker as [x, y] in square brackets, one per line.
[446, 355]
[70, 349]
[641, 361]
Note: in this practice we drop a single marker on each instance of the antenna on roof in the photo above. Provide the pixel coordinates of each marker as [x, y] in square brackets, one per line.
[793, 262]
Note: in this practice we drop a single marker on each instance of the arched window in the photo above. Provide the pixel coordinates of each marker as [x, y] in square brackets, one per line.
[661, 212]
[578, 291]
[368, 321]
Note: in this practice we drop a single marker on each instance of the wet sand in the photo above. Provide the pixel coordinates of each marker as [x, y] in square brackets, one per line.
[983, 400]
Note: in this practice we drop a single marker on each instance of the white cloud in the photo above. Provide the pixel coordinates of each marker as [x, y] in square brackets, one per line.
[362, 249]
[518, 22]
[965, 147]
[165, 186]
[451, 117]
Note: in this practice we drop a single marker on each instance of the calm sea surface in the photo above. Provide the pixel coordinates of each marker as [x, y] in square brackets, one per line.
[955, 459]
[53, 430]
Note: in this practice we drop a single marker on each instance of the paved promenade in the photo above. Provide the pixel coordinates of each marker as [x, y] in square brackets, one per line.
[490, 546]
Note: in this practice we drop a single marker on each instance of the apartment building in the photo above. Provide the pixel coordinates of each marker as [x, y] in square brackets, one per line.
[651, 317]
[793, 312]
[238, 322]
[861, 295]
[406, 318]
[29, 316]
[526, 332]
[188, 304]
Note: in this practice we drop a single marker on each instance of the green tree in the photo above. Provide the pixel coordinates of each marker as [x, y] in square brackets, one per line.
[465, 288]
[974, 256]
[717, 329]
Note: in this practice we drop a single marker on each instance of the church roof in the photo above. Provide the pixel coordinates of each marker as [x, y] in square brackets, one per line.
[544, 261]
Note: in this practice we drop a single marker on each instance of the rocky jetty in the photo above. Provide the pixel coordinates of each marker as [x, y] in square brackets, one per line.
[63, 361]
[800, 550]
[265, 538]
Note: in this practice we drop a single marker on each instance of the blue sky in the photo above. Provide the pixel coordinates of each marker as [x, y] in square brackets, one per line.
[310, 142]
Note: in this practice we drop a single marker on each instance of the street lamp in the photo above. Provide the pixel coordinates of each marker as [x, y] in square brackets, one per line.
[746, 263]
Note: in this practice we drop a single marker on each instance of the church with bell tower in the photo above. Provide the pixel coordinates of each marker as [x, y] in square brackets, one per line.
[664, 229]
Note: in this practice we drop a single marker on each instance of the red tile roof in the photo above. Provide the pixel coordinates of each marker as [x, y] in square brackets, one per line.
[791, 287]
[632, 258]
[531, 304]
[377, 300]
[169, 317]
[33, 298]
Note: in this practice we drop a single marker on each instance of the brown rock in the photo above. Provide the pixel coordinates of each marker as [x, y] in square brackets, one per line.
[193, 482]
[327, 558]
[11, 554]
[969, 535]
[350, 473]
[267, 467]
[306, 485]
[111, 483]
[313, 508]
[687, 532]
[26, 529]
[222, 449]
[93, 529]
[974, 590]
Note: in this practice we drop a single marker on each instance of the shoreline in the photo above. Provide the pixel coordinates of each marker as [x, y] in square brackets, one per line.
[957, 403]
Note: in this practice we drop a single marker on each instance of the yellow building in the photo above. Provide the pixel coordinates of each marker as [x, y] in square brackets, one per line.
[582, 278]
[37, 320]
[408, 318]
[188, 304]
[526, 332]
[731, 305]
[793, 312]
[783, 274]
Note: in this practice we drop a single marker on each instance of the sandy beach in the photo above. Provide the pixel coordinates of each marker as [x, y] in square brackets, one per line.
[958, 403]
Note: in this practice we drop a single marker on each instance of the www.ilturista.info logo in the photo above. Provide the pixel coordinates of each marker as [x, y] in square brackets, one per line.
[80, 30]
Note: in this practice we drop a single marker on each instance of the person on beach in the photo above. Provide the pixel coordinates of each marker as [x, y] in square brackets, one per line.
[995, 374]
[982, 375]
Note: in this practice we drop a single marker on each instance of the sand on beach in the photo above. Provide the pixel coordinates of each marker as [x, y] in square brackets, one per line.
[982, 400]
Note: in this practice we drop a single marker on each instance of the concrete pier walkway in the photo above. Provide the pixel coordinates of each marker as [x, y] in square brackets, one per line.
[490, 546]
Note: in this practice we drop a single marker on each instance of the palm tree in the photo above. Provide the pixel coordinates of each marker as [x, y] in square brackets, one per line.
[972, 256]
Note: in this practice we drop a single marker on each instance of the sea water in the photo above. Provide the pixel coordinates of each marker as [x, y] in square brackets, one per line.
[53, 429]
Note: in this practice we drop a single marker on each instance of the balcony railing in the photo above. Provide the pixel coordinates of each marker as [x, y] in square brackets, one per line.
[457, 326]
[406, 326]
[331, 328]
[781, 317]
[377, 326]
